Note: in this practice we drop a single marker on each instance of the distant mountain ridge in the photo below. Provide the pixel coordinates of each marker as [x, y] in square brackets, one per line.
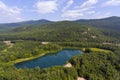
[18, 24]
[107, 23]
[112, 17]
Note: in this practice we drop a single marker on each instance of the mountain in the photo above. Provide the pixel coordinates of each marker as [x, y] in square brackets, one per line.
[18, 24]
[106, 23]
[59, 31]
[106, 29]
[35, 22]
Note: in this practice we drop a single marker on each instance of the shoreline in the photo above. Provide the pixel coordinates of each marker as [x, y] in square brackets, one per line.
[26, 59]
[33, 57]
[49, 52]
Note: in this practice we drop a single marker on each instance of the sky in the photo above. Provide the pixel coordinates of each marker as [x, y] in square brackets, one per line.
[57, 10]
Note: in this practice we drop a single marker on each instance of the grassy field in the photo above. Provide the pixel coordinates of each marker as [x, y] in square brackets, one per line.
[97, 50]
[100, 50]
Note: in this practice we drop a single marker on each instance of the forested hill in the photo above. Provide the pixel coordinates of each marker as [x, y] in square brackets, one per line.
[59, 31]
[5, 26]
[98, 30]
[107, 23]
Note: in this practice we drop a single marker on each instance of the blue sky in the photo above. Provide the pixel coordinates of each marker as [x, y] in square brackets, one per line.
[55, 10]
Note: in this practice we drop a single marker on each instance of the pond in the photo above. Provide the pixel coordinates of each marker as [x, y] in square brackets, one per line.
[50, 60]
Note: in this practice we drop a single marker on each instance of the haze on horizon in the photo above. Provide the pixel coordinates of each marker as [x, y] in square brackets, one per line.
[56, 10]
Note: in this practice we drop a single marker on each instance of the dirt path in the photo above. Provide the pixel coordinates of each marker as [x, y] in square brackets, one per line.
[45, 42]
[80, 78]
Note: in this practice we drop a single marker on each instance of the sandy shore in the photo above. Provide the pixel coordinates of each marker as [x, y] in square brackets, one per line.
[68, 65]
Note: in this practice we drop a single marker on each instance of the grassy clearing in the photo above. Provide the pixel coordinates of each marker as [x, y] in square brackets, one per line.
[99, 50]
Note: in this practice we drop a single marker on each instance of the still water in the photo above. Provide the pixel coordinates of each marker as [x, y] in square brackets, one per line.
[50, 60]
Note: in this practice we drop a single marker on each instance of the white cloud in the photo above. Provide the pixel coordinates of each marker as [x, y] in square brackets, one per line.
[80, 10]
[112, 3]
[9, 13]
[72, 14]
[88, 3]
[44, 7]
[91, 12]
[69, 3]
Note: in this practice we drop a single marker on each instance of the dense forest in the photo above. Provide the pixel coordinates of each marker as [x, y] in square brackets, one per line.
[99, 40]
[97, 66]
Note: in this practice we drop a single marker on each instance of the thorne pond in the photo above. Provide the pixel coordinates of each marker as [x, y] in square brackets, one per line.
[57, 59]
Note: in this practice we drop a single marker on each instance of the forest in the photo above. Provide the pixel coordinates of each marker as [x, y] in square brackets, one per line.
[100, 46]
